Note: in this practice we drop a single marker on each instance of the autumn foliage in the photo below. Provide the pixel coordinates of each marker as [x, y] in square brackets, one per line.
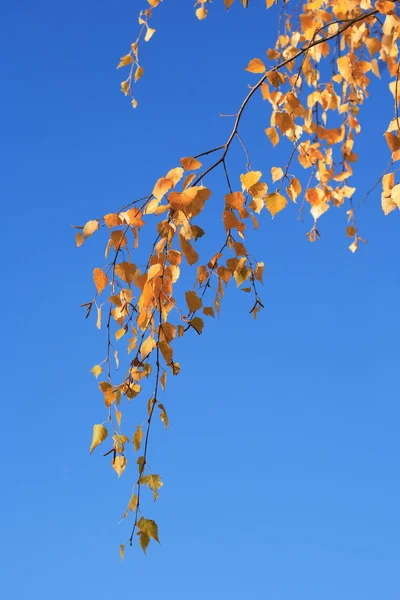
[317, 118]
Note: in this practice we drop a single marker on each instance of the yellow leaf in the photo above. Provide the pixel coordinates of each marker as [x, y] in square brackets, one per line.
[126, 271]
[273, 135]
[79, 239]
[201, 12]
[138, 73]
[190, 164]
[256, 66]
[125, 60]
[153, 482]
[163, 415]
[144, 540]
[133, 502]
[319, 209]
[99, 435]
[228, 3]
[147, 346]
[166, 351]
[119, 333]
[97, 369]
[193, 301]
[118, 415]
[137, 438]
[149, 34]
[241, 272]
[294, 189]
[275, 202]
[249, 179]
[90, 228]
[122, 551]
[110, 395]
[276, 173]
[119, 464]
[100, 280]
[162, 186]
[116, 359]
[175, 175]
[125, 87]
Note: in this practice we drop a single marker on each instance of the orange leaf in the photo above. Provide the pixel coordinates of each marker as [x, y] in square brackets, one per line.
[100, 280]
[256, 66]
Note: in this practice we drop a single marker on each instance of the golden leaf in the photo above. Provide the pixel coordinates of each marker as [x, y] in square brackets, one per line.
[162, 186]
[294, 189]
[125, 60]
[126, 271]
[119, 333]
[228, 3]
[147, 346]
[90, 228]
[193, 301]
[118, 239]
[249, 179]
[273, 135]
[275, 202]
[133, 502]
[150, 527]
[276, 173]
[149, 34]
[99, 435]
[110, 395]
[241, 272]
[166, 351]
[100, 280]
[125, 87]
[118, 415]
[119, 464]
[256, 66]
[175, 175]
[121, 551]
[153, 482]
[79, 239]
[112, 220]
[137, 438]
[97, 369]
[138, 73]
[201, 12]
[144, 540]
[190, 164]
[190, 253]
[163, 415]
[235, 200]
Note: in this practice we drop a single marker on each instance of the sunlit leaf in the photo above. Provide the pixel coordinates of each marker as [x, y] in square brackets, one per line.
[99, 435]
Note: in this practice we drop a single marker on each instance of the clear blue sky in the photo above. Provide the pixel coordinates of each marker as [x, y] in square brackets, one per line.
[281, 462]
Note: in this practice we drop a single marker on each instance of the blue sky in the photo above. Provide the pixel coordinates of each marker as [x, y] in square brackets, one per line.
[281, 461]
